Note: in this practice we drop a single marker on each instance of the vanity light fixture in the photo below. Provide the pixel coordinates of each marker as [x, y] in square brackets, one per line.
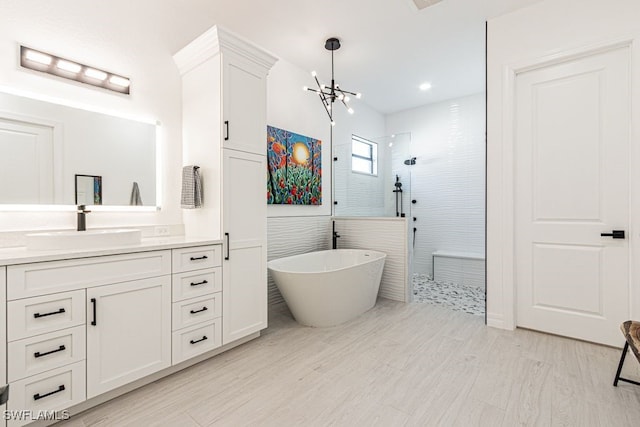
[54, 65]
[330, 94]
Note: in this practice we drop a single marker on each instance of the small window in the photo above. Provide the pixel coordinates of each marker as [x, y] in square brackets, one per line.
[364, 156]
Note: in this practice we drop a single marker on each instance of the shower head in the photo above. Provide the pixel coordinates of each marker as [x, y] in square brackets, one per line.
[410, 162]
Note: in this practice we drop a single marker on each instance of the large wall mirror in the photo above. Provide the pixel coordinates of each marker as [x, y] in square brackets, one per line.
[46, 149]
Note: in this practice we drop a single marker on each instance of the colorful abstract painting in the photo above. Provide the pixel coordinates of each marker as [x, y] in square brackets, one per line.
[294, 164]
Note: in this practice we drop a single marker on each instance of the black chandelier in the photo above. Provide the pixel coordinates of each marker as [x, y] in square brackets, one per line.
[330, 94]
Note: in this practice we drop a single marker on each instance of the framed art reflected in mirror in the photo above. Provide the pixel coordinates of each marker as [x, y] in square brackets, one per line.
[88, 189]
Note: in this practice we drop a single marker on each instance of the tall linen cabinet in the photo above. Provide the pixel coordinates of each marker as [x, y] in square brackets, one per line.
[224, 133]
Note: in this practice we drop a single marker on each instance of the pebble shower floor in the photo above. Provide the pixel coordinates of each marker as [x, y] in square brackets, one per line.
[469, 299]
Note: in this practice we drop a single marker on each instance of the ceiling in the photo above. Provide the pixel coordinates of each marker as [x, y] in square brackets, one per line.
[388, 47]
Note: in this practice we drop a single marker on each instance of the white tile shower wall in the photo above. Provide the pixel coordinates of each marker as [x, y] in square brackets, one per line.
[448, 180]
[287, 236]
[388, 235]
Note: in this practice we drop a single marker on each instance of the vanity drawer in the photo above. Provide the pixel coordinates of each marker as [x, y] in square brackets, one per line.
[197, 258]
[190, 342]
[39, 315]
[51, 391]
[58, 276]
[196, 283]
[39, 354]
[193, 311]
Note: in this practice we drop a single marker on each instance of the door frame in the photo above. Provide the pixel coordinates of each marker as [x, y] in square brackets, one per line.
[501, 261]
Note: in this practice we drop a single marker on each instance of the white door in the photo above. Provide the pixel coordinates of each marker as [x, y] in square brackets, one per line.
[572, 184]
[245, 105]
[26, 158]
[244, 271]
[128, 332]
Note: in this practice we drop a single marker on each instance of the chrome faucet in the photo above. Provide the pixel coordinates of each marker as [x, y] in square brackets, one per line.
[82, 217]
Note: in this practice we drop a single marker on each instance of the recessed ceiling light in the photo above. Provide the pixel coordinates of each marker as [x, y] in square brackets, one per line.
[425, 86]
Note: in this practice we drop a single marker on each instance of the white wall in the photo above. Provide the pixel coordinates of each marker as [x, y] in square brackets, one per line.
[447, 181]
[545, 31]
[292, 109]
[295, 229]
[82, 34]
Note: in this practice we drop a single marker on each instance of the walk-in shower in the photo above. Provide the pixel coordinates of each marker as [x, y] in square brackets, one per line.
[435, 180]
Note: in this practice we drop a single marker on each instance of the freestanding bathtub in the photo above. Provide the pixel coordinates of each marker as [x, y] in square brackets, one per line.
[327, 288]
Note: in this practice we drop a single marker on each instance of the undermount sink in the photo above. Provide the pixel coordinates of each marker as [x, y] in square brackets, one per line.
[89, 239]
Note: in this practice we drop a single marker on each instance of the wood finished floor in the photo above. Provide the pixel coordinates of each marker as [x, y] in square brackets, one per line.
[397, 365]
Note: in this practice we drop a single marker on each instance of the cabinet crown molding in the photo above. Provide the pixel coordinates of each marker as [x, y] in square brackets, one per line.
[218, 40]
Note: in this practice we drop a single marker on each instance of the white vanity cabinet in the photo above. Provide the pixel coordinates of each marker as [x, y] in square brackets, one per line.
[225, 133]
[77, 328]
[128, 332]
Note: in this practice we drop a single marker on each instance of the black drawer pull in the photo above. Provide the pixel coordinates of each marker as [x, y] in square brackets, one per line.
[204, 282]
[199, 311]
[198, 258]
[204, 337]
[38, 315]
[38, 354]
[39, 396]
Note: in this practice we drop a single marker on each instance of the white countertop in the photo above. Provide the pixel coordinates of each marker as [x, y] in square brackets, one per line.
[20, 255]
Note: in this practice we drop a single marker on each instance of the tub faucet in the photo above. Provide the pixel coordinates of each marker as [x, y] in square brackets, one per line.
[335, 236]
[82, 217]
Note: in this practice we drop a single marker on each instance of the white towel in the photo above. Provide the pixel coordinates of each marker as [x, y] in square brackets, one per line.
[191, 188]
[135, 199]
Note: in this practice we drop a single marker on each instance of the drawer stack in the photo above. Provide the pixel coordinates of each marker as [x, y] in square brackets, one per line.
[46, 352]
[196, 301]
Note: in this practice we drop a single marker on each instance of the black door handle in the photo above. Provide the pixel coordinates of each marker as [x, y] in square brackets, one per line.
[227, 256]
[93, 303]
[226, 127]
[199, 311]
[616, 234]
[198, 258]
